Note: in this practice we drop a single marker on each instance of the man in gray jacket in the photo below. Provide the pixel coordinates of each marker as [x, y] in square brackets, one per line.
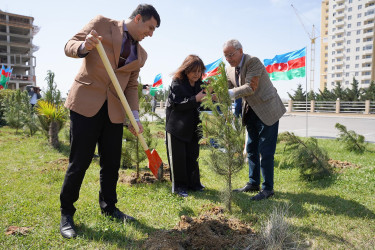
[261, 110]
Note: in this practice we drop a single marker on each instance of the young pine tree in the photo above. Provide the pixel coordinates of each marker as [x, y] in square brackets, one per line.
[311, 160]
[353, 141]
[226, 130]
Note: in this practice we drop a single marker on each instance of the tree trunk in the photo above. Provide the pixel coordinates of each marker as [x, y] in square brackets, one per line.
[53, 134]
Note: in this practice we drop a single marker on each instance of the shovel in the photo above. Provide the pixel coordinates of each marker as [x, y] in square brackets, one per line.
[154, 162]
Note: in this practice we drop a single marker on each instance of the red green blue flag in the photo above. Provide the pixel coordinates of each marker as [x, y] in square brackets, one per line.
[287, 66]
[157, 85]
[212, 69]
[5, 75]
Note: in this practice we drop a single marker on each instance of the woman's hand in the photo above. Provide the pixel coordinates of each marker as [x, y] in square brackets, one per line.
[200, 96]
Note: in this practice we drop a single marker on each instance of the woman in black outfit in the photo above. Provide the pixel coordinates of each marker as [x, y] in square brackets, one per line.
[182, 119]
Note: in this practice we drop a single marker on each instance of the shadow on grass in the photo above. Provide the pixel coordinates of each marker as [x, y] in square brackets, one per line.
[114, 238]
[328, 205]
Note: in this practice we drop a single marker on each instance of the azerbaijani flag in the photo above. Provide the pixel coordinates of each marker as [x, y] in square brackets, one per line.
[287, 66]
[5, 75]
[157, 85]
[212, 69]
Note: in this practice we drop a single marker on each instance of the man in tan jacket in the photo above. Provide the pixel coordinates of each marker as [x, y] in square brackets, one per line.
[261, 110]
[96, 113]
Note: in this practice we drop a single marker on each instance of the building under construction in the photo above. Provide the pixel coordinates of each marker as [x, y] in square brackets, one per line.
[17, 48]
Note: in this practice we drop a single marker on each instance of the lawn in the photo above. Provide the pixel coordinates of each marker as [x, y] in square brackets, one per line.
[336, 212]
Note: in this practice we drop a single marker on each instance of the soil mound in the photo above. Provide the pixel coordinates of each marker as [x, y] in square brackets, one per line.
[210, 230]
[145, 177]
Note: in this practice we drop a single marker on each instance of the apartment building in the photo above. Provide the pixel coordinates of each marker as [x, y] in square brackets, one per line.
[347, 43]
[17, 48]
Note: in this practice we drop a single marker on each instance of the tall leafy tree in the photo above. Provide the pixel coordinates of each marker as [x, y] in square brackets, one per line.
[326, 95]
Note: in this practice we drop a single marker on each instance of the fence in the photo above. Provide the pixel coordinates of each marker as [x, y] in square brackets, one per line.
[360, 107]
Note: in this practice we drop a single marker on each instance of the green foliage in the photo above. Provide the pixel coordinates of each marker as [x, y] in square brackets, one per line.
[369, 93]
[326, 95]
[227, 131]
[353, 141]
[308, 157]
[18, 112]
[3, 95]
[133, 152]
[52, 94]
[299, 94]
[52, 118]
[353, 94]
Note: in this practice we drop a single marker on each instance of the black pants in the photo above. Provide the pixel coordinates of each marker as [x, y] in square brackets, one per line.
[85, 133]
[183, 161]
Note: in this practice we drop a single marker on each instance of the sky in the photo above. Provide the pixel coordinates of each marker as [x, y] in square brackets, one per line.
[265, 28]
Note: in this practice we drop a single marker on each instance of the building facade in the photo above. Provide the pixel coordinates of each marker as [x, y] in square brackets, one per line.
[347, 43]
[17, 48]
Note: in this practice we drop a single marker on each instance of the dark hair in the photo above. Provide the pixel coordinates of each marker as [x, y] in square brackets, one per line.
[191, 63]
[146, 11]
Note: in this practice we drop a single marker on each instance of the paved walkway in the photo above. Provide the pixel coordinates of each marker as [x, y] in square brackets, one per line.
[322, 125]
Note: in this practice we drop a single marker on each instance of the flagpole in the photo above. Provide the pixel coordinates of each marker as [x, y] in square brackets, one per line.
[307, 114]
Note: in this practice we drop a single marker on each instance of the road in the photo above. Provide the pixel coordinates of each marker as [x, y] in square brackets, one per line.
[322, 125]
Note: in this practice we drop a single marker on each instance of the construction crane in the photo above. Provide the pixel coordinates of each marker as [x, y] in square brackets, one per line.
[312, 38]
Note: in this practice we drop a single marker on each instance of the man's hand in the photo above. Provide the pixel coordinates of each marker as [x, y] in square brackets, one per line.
[91, 40]
[132, 129]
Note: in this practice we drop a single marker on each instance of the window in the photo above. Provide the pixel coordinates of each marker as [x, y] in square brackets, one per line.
[350, 1]
[348, 58]
[333, 60]
[357, 49]
[358, 24]
[348, 42]
[350, 9]
[348, 33]
[359, 15]
[349, 25]
[358, 40]
[333, 75]
[359, 6]
[333, 52]
[356, 65]
[358, 32]
[356, 74]
[333, 45]
[347, 50]
[346, 82]
[356, 57]
[347, 67]
[349, 17]
[346, 74]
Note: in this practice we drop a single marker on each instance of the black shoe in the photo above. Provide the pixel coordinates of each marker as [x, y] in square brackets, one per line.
[118, 215]
[247, 188]
[181, 192]
[67, 228]
[264, 194]
[199, 188]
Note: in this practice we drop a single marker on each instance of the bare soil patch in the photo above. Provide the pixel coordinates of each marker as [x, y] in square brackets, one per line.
[59, 164]
[342, 164]
[14, 230]
[145, 177]
[210, 230]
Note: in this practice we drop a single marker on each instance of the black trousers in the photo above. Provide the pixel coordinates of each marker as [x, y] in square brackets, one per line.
[85, 133]
[183, 161]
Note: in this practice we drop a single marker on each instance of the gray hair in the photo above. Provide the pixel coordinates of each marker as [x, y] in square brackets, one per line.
[233, 43]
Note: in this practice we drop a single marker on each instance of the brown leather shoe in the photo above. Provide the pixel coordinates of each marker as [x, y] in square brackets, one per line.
[247, 188]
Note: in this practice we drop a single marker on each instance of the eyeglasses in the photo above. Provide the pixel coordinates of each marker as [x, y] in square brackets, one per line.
[231, 54]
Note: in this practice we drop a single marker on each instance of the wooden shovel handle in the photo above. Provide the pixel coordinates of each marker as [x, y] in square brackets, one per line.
[120, 93]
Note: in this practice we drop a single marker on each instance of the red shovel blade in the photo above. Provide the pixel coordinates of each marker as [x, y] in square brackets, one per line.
[154, 163]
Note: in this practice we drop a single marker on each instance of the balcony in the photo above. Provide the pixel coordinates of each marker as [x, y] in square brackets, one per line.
[340, 15]
[340, 6]
[368, 25]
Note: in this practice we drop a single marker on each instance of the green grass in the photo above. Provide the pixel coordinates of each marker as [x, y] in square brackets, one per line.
[337, 212]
